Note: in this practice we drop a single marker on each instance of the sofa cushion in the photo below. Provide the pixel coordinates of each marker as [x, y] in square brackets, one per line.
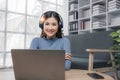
[81, 42]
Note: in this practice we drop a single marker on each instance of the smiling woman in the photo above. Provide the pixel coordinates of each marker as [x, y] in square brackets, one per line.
[51, 37]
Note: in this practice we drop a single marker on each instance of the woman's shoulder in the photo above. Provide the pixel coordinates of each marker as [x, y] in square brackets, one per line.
[65, 39]
[36, 39]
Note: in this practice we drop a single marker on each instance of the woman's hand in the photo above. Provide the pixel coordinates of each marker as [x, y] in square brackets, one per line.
[68, 56]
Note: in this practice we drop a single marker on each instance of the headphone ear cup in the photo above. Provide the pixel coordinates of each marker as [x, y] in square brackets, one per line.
[41, 22]
[61, 24]
[41, 25]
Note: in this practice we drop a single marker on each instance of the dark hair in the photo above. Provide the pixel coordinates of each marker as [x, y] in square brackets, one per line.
[47, 15]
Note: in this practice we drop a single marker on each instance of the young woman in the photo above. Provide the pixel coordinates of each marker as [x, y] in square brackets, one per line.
[51, 38]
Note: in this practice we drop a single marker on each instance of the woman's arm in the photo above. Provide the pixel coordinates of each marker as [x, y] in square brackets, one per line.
[67, 49]
[68, 55]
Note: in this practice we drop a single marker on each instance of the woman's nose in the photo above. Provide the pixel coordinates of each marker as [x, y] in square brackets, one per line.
[50, 26]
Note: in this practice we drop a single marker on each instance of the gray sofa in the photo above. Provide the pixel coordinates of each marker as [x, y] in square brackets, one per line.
[96, 40]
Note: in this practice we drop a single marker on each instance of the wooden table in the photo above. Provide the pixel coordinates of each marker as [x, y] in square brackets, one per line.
[75, 74]
[104, 69]
[72, 74]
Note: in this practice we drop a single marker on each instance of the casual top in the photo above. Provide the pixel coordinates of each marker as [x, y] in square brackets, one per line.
[51, 44]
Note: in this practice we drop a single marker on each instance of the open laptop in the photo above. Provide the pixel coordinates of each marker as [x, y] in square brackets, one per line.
[32, 64]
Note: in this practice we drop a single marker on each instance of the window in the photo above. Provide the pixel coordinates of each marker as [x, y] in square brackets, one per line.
[1, 41]
[2, 21]
[50, 7]
[16, 6]
[34, 7]
[15, 22]
[2, 4]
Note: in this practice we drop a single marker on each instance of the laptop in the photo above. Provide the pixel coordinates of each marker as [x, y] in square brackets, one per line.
[29, 64]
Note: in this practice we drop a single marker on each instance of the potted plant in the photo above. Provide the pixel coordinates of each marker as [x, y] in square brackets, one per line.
[116, 46]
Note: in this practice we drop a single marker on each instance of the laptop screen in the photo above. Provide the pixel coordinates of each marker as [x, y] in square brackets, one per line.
[38, 64]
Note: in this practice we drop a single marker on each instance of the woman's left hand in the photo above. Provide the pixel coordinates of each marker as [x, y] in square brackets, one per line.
[68, 56]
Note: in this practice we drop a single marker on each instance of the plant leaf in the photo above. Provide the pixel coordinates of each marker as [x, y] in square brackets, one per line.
[114, 34]
[117, 39]
[118, 31]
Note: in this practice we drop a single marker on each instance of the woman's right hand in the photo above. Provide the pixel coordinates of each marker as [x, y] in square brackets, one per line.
[68, 56]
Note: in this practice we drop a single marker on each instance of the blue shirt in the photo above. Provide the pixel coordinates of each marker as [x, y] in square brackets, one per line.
[51, 44]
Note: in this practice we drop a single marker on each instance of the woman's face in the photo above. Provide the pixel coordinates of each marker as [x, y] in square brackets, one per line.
[50, 27]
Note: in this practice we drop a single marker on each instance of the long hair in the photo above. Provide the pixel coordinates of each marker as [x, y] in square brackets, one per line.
[47, 15]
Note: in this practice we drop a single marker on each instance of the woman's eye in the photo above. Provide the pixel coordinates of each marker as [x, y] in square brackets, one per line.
[54, 24]
[46, 23]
